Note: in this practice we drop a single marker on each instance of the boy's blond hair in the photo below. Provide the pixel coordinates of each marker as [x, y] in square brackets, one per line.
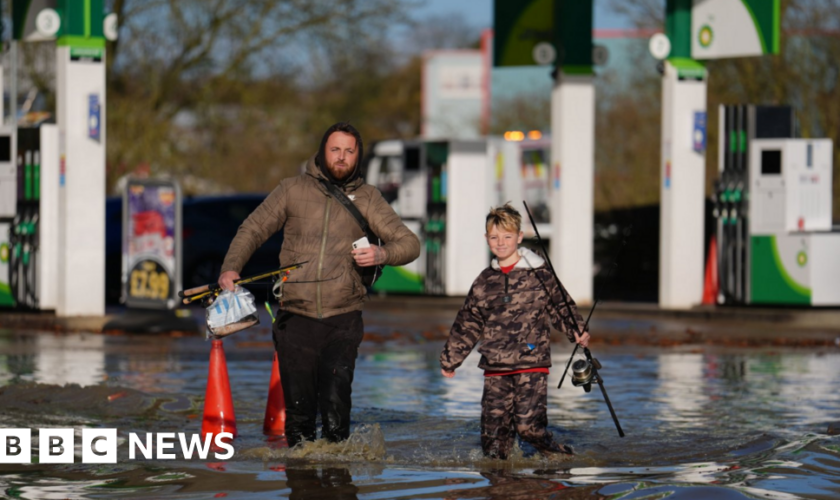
[505, 218]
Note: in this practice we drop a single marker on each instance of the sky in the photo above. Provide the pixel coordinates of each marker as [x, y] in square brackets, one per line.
[509, 82]
[479, 13]
[513, 82]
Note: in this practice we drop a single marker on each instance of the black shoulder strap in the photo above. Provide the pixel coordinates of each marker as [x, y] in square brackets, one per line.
[342, 198]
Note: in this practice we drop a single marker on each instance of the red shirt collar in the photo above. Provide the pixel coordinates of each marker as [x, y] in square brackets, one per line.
[507, 269]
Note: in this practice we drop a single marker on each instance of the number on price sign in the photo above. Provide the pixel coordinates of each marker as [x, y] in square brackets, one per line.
[149, 280]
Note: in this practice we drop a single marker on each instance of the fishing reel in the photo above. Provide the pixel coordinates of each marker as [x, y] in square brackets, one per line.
[584, 371]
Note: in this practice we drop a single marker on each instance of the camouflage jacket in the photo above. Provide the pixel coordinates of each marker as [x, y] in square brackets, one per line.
[510, 314]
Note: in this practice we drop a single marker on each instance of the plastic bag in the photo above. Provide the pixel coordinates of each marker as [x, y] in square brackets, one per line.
[231, 312]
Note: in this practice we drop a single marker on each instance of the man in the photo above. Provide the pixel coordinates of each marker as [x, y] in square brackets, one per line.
[319, 326]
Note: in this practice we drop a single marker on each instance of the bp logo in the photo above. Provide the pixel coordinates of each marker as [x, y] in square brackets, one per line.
[705, 36]
[802, 258]
[4, 253]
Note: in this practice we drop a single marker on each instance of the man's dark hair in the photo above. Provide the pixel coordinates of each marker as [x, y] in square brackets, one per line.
[321, 159]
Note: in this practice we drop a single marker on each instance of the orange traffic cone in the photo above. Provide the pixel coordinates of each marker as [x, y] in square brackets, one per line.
[218, 404]
[275, 407]
[710, 284]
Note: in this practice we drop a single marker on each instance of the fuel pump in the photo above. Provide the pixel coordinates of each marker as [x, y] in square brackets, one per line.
[739, 126]
[792, 257]
[33, 228]
[24, 260]
[773, 204]
[435, 228]
[443, 189]
[8, 210]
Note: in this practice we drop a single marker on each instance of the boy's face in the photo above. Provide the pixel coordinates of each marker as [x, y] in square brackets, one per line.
[503, 243]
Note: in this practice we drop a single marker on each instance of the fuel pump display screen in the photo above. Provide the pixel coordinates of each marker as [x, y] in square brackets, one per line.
[771, 162]
[412, 158]
[5, 148]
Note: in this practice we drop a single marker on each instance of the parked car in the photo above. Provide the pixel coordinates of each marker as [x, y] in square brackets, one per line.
[209, 225]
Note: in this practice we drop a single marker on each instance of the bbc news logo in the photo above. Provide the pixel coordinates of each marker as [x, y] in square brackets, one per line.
[99, 446]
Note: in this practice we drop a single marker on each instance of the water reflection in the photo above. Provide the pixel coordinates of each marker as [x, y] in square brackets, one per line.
[699, 419]
[53, 359]
[504, 484]
[462, 394]
[681, 392]
[70, 359]
[759, 389]
[330, 482]
[395, 379]
[812, 398]
[17, 357]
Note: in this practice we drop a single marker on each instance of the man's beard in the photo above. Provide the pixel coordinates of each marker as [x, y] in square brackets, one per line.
[340, 174]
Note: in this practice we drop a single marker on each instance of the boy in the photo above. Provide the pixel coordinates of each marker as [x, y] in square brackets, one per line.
[509, 308]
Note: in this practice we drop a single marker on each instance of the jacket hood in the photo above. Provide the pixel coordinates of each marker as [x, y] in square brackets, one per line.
[527, 260]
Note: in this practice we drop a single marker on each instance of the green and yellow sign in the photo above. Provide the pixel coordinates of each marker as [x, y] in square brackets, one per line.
[543, 32]
[735, 28]
[76, 23]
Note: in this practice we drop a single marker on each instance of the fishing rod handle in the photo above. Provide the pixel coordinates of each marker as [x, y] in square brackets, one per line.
[215, 286]
[193, 291]
[193, 298]
[196, 293]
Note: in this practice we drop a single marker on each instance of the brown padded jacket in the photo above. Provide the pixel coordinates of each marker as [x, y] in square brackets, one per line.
[317, 229]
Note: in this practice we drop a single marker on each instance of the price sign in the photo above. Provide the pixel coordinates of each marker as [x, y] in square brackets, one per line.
[151, 243]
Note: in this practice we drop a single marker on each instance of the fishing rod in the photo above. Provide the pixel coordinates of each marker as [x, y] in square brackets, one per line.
[597, 300]
[203, 291]
[583, 371]
[557, 280]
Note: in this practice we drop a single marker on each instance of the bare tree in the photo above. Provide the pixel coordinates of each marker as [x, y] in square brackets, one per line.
[641, 13]
[526, 111]
[187, 76]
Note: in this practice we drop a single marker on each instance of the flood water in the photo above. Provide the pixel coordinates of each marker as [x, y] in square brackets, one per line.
[701, 421]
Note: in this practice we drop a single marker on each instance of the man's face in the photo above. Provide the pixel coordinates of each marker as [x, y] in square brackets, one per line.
[341, 154]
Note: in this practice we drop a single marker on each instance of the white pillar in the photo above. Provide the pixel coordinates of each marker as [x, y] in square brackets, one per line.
[49, 250]
[510, 189]
[81, 279]
[683, 183]
[2, 92]
[572, 174]
[467, 203]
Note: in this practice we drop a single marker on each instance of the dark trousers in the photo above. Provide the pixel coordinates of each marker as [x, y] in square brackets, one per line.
[511, 405]
[317, 359]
